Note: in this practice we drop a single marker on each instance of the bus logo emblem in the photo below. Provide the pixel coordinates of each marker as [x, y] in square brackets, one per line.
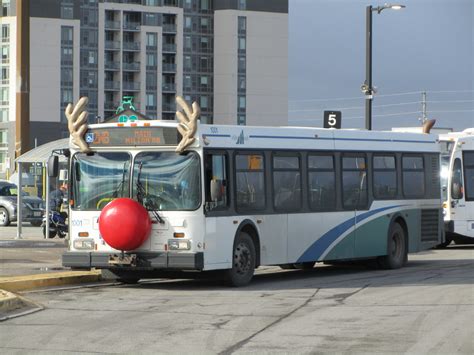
[89, 137]
[241, 138]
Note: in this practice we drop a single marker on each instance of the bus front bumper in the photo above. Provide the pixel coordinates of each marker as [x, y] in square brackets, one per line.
[137, 261]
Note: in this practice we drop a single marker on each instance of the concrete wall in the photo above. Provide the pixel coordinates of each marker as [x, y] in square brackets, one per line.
[45, 72]
[267, 67]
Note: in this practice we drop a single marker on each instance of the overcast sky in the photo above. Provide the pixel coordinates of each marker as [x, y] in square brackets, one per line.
[428, 46]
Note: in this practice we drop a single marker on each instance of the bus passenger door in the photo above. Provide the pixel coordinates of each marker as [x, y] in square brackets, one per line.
[468, 162]
[458, 211]
[219, 231]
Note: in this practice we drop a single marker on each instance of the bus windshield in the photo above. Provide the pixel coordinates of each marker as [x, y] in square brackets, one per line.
[100, 178]
[170, 181]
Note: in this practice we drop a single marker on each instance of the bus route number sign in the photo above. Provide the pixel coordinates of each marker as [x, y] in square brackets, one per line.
[332, 119]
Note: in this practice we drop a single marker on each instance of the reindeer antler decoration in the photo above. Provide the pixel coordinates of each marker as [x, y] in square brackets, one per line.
[187, 123]
[77, 124]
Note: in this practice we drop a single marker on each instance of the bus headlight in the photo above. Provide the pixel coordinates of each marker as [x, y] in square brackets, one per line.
[174, 244]
[84, 244]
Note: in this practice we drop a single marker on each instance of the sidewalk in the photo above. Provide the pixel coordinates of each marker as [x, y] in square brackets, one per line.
[32, 262]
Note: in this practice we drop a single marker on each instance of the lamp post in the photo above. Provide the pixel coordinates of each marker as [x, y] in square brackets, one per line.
[367, 86]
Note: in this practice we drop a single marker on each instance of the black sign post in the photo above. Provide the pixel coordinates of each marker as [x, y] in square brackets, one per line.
[332, 119]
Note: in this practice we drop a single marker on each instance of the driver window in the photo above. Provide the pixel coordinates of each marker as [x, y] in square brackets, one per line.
[216, 181]
[457, 189]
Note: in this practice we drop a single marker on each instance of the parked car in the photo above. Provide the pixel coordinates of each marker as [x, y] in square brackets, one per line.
[33, 207]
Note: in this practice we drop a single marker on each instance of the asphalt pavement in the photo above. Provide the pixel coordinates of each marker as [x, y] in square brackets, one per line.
[32, 262]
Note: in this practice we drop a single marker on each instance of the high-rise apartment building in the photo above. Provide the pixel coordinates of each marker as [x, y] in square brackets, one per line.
[229, 55]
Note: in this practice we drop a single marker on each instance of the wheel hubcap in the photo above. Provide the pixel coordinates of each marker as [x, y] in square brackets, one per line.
[3, 216]
[242, 259]
[396, 245]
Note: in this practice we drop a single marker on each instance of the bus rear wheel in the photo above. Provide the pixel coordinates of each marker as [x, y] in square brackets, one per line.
[397, 249]
[243, 261]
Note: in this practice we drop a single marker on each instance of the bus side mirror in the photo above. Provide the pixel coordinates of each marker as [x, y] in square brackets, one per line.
[53, 166]
[215, 190]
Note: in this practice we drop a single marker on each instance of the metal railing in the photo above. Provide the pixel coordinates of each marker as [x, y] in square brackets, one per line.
[112, 65]
[167, 47]
[169, 87]
[134, 46]
[111, 85]
[133, 86]
[131, 66]
[112, 45]
[112, 25]
[169, 67]
[169, 27]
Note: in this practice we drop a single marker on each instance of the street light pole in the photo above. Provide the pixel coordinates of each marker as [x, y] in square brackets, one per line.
[368, 69]
[367, 87]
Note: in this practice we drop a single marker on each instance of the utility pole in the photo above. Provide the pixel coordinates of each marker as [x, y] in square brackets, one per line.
[423, 107]
[22, 77]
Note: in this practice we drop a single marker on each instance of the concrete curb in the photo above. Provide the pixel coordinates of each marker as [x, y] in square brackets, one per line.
[30, 282]
[12, 305]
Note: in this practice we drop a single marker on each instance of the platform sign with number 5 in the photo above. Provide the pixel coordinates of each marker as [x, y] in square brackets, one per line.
[332, 119]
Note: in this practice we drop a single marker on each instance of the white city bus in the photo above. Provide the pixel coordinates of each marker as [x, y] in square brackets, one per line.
[239, 197]
[457, 182]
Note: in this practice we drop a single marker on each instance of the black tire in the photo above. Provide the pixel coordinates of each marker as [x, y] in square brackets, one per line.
[397, 250]
[52, 232]
[4, 217]
[36, 223]
[309, 265]
[243, 261]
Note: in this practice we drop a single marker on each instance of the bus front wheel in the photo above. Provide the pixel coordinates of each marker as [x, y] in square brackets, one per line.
[397, 248]
[243, 261]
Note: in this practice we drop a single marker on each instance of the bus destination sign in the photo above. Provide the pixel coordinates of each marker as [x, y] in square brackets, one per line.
[132, 136]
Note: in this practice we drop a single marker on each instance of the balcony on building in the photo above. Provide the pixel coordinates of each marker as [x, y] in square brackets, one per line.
[131, 46]
[169, 28]
[112, 25]
[131, 26]
[112, 65]
[131, 86]
[169, 107]
[112, 85]
[169, 68]
[169, 47]
[135, 66]
[110, 106]
[112, 45]
[168, 87]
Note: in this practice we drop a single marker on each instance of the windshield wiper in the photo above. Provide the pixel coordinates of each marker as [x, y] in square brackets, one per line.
[122, 183]
[141, 197]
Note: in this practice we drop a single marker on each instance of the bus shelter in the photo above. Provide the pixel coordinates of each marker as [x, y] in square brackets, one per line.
[33, 166]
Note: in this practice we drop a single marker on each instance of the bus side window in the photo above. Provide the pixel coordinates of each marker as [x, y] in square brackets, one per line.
[456, 182]
[216, 182]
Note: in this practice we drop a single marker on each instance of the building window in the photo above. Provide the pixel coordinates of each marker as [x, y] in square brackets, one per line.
[204, 43]
[3, 138]
[4, 114]
[5, 75]
[187, 81]
[241, 120]
[242, 84]
[188, 4]
[5, 33]
[187, 63]
[151, 39]
[5, 54]
[187, 22]
[242, 64]
[204, 102]
[204, 4]
[67, 11]
[5, 7]
[187, 42]
[67, 35]
[151, 102]
[204, 80]
[242, 24]
[66, 96]
[242, 4]
[4, 96]
[242, 43]
[151, 60]
[242, 103]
